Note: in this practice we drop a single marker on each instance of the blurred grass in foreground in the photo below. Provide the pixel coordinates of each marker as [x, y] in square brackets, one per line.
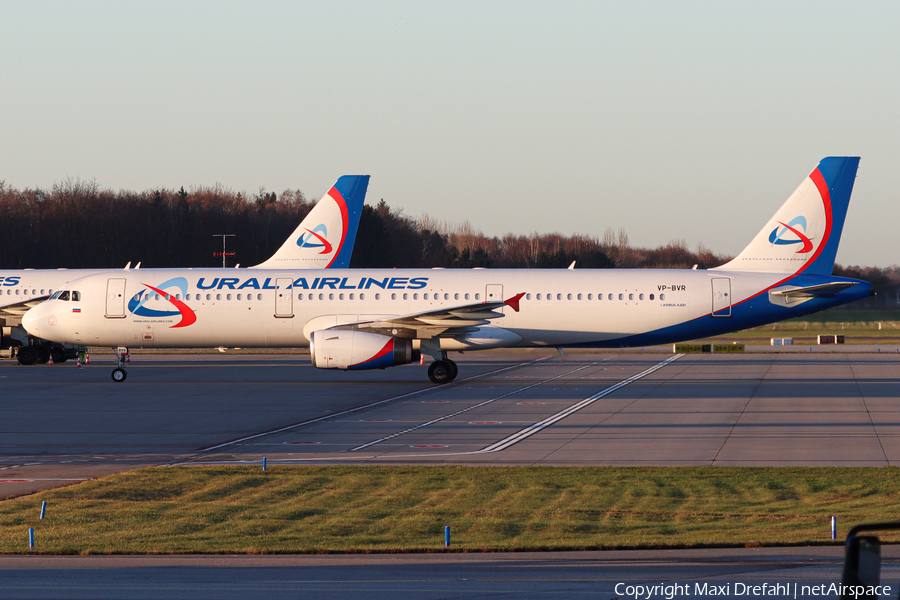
[303, 509]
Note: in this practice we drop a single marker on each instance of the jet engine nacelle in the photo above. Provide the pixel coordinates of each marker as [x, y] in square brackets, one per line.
[353, 349]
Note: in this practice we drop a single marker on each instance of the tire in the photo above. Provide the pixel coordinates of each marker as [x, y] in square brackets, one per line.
[119, 375]
[27, 355]
[43, 354]
[454, 370]
[440, 372]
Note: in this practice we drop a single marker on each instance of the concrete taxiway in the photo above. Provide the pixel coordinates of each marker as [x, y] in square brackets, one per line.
[61, 424]
[724, 573]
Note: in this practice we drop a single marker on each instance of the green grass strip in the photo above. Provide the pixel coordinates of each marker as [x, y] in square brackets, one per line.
[315, 509]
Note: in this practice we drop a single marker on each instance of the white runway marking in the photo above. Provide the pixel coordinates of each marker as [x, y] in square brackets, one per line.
[459, 412]
[532, 429]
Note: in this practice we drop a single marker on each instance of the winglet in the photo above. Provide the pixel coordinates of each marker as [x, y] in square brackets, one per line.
[513, 302]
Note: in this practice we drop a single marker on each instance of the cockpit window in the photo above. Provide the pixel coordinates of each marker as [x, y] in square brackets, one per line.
[63, 295]
[76, 296]
[55, 296]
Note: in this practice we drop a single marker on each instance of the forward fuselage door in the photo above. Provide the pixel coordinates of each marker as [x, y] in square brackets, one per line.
[721, 297]
[115, 298]
[284, 301]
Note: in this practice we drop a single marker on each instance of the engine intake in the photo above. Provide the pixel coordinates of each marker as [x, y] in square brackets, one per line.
[351, 349]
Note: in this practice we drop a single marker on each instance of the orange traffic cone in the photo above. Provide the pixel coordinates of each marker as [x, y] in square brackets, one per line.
[78, 364]
[87, 358]
[421, 359]
[50, 360]
[128, 357]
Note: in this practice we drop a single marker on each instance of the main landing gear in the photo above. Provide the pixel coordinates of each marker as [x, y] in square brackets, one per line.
[443, 370]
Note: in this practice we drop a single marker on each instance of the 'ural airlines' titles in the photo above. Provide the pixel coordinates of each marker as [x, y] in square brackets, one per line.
[319, 283]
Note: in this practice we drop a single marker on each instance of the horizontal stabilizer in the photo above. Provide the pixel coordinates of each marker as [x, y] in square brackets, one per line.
[815, 291]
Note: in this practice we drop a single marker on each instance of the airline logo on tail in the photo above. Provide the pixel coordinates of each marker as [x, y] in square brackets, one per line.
[777, 237]
[136, 305]
[320, 233]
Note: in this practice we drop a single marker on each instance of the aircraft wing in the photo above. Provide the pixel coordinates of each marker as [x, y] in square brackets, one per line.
[19, 308]
[439, 322]
[813, 291]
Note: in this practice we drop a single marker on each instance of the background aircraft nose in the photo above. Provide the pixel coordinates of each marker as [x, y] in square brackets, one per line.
[33, 319]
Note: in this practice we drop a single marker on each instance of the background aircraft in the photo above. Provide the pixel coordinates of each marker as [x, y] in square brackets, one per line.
[324, 239]
[367, 318]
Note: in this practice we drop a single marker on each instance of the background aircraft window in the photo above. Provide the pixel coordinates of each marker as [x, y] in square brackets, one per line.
[299, 296]
[621, 297]
[538, 296]
[456, 296]
[25, 292]
[218, 297]
[331, 296]
[651, 296]
[415, 296]
[228, 296]
[340, 296]
[259, 297]
[352, 297]
[208, 297]
[528, 296]
[609, 297]
[425, 297]
[641, 297]
[590, 296]
[42, 292]
[157, 296]
[559, 296]
[238, 296]
[467, 296]
[393, 296]
[446, 296]
[321, 296]
[405, 296]
[478, 296]
[568, 296]
[631, 296]
[579, 296]
[17, 292]
[662, 296]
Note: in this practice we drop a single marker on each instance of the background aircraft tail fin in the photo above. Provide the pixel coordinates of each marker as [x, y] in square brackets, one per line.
[803, 235]
[326, 236]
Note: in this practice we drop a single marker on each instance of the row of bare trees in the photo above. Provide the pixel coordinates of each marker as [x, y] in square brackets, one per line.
[77, 224]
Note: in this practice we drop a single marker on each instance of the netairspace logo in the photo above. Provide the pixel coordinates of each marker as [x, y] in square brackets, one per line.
[670, 591]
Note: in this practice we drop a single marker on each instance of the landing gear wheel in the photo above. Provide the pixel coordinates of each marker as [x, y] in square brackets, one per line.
[440, 372]
[454, 370]
[119, 375]
[43, 354]
[27, 355]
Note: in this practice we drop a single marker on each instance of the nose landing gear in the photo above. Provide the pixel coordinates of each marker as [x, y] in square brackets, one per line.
[119, 374]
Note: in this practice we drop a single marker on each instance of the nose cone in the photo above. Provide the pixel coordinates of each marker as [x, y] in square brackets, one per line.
[37, 320]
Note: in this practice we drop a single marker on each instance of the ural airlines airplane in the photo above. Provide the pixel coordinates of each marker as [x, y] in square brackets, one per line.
[372, 319]
[324, 239]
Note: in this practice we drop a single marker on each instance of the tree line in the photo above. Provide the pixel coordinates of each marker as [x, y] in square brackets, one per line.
[77, 224]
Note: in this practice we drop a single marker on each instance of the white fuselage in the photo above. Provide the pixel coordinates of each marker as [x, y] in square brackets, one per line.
[282, 308]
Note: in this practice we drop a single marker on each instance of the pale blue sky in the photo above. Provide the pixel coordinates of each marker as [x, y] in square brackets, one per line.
[672, 120]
